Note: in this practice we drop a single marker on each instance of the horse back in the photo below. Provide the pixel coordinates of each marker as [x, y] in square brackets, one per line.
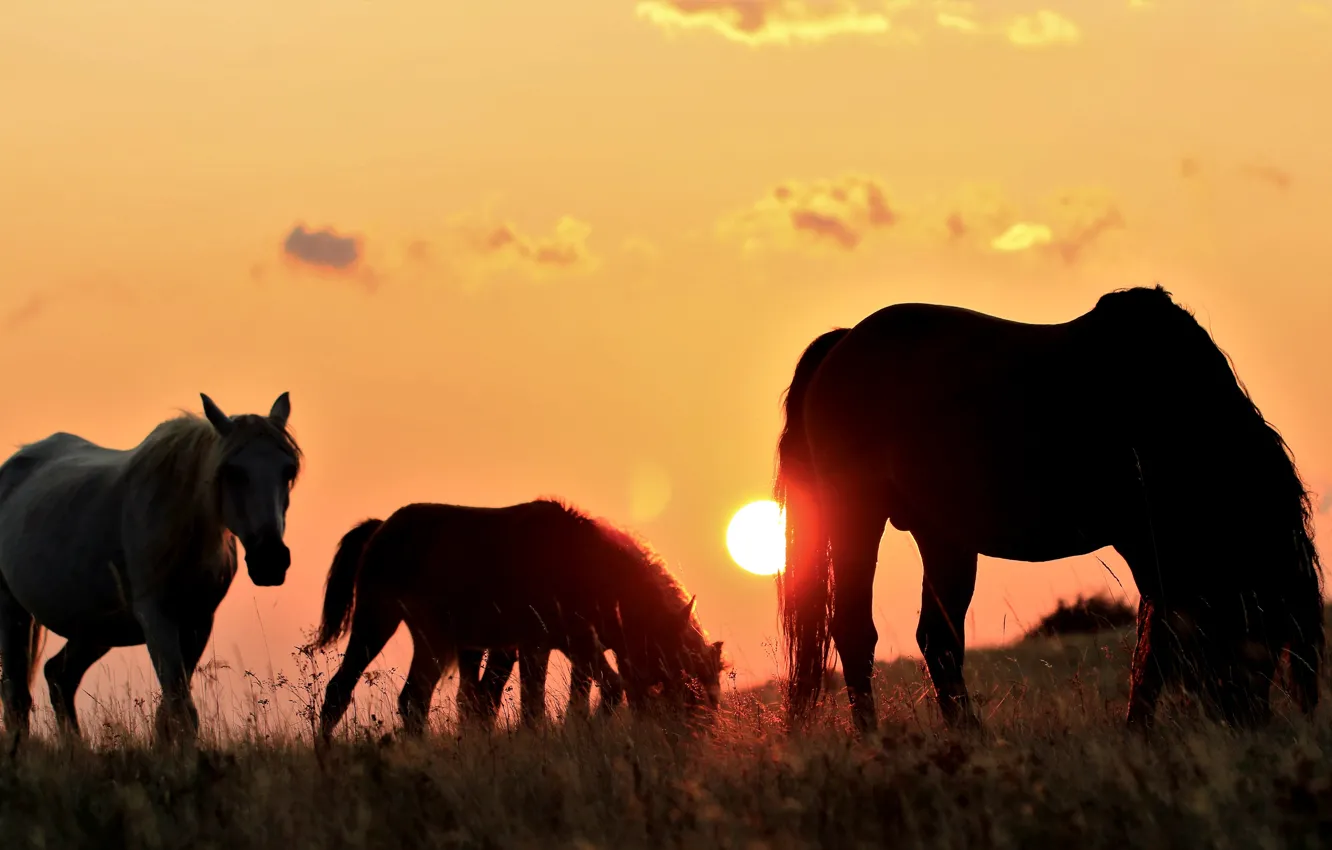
[490, 576]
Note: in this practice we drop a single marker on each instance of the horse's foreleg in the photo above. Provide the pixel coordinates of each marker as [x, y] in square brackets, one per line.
[949, 582]
[855, 553]
[177, 718]
[16, 645]
[64, 672]
[532, 667]
[580, 691]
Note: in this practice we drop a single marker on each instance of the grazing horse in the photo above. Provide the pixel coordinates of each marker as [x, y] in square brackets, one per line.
[119, 548]
[530, 577]
[1123, 427]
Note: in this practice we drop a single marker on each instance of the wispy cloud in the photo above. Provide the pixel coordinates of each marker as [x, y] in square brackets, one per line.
[565, 249]
[760, 22]
[40, 303]
[1043, 29]
[1193, 168]
[1272, 175]
[834, 214]
[841, 215]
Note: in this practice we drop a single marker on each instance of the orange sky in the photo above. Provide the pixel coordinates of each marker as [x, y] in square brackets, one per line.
[577, 250]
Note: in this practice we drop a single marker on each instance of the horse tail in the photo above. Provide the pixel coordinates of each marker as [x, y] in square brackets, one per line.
[340, 588]
[804, 588]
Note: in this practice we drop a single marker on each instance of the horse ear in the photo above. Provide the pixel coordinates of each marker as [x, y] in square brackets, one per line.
[281, 411]
[220, 420]
[687, 613]
[717, 651]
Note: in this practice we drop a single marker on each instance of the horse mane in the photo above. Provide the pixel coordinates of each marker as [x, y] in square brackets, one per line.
[176, 466]
[1202, 390]
[647, 570]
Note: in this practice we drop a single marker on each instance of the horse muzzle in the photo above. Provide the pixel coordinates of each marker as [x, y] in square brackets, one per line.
[268, 560]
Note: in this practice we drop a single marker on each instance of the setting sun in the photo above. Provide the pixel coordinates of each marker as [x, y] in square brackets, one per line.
[756, 538]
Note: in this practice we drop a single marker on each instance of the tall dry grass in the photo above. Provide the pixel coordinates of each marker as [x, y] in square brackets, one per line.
[1052, 768]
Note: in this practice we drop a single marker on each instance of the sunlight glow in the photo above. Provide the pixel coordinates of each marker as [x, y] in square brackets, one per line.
[756, 538]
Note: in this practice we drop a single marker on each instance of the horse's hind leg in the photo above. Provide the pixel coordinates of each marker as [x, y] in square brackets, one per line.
[370, 633]
[64, 672]
[18, 638]
[490, 687]
[949, 582]
[855, 552]
[429, 659]
[532, 667]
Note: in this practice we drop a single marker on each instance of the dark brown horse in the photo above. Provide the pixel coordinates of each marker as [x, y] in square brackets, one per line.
[531, 577]
[1124, 427]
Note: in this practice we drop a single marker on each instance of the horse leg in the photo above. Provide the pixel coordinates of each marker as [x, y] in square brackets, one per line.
[1148, 675]
[499, 667]
[855, 554]
[532, 683]
[580, 692]
[63, 673]
[587, 658]
[422, 678]
[17, 635]
[177, 718]
[370, 633]
[469, 674]
[949, 582]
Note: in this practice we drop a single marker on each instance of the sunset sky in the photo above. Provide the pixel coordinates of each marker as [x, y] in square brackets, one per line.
[504, 250]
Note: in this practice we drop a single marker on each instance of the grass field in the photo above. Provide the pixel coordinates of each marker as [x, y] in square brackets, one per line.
[1053, 768]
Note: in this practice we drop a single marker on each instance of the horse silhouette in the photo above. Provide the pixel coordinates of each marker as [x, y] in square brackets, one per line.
[530, 577]
[1125, 427]
[119, 548]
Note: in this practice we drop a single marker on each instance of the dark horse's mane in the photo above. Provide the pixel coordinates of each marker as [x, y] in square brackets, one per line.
[1205, 394]
[652, 573]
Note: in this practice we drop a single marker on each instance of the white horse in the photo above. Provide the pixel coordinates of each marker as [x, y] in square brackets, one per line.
[120, 548]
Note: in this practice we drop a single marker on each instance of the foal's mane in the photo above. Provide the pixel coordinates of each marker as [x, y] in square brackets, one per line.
[645, 563]
[174, 472]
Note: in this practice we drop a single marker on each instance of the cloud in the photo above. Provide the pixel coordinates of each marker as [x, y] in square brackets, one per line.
[1317, 11]
[1065, 228]
[40, 303]
[1083, 219]
[322, 248]
[1191, 168]
[29, 309]
[1022, 236]
[761, 22]
[824, 214]
[1043, 29]
[501, 244]
[1269, 174]
[640, 248]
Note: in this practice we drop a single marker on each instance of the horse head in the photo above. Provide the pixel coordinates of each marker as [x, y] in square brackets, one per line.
[257, 467]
